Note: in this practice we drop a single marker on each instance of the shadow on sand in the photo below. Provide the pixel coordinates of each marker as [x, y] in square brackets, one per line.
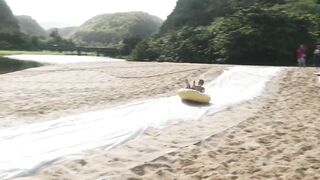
[195, 104]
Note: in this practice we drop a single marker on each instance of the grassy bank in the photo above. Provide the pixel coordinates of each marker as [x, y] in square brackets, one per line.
[5, 52]
[13, 52]
[10, 65]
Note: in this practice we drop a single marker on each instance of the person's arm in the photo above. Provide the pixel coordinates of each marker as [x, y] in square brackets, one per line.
[187, 83]
[193, 84]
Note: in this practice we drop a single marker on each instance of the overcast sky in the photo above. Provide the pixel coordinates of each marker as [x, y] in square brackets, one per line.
[75, 12]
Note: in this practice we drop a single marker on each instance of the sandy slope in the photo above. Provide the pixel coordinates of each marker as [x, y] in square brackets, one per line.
[280, 141]
[51, 92]
[278, 135]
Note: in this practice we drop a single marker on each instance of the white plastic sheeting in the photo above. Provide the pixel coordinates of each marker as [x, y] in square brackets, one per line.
[25, 149]
[61, 59]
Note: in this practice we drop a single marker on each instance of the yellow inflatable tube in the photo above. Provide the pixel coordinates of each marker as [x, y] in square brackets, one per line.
[193, 95]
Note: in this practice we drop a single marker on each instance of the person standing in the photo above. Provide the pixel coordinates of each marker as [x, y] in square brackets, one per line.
[317, 56]
[301, 55]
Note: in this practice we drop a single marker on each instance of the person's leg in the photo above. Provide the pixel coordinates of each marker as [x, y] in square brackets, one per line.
[299, 62]
[304, 62]
[188, 84]
[317, 61]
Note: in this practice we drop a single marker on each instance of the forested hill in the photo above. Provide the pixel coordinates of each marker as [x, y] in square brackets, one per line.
[111, 29]
[203, 12]
[7, 19]
[63, 32]
[234, 31]
[30, 26]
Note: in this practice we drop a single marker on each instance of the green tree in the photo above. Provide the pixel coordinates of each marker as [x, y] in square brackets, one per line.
[55, 36]
[265, 32]
[261, 36]
[128, 44]
[14, 40]
[143, 51]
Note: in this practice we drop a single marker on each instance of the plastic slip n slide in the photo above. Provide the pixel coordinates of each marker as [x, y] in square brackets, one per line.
[27, 148]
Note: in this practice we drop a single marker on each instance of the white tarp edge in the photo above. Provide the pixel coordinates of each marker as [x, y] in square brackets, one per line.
[25, 149]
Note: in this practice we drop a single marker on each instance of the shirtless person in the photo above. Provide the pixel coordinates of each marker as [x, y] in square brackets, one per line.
[198, 87]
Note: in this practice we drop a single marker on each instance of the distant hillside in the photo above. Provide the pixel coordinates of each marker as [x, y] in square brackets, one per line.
[11, 38]
[263, 32]
[63, 32]
[203, 12]
[7, 19]
[110, 29]
[30, 26]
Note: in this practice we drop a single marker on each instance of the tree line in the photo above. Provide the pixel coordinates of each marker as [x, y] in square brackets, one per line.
[234, 31]
[19, 41]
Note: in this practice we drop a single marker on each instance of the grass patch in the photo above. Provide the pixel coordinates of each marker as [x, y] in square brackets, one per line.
[13, 52]
[10, 65]
[4, 52]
